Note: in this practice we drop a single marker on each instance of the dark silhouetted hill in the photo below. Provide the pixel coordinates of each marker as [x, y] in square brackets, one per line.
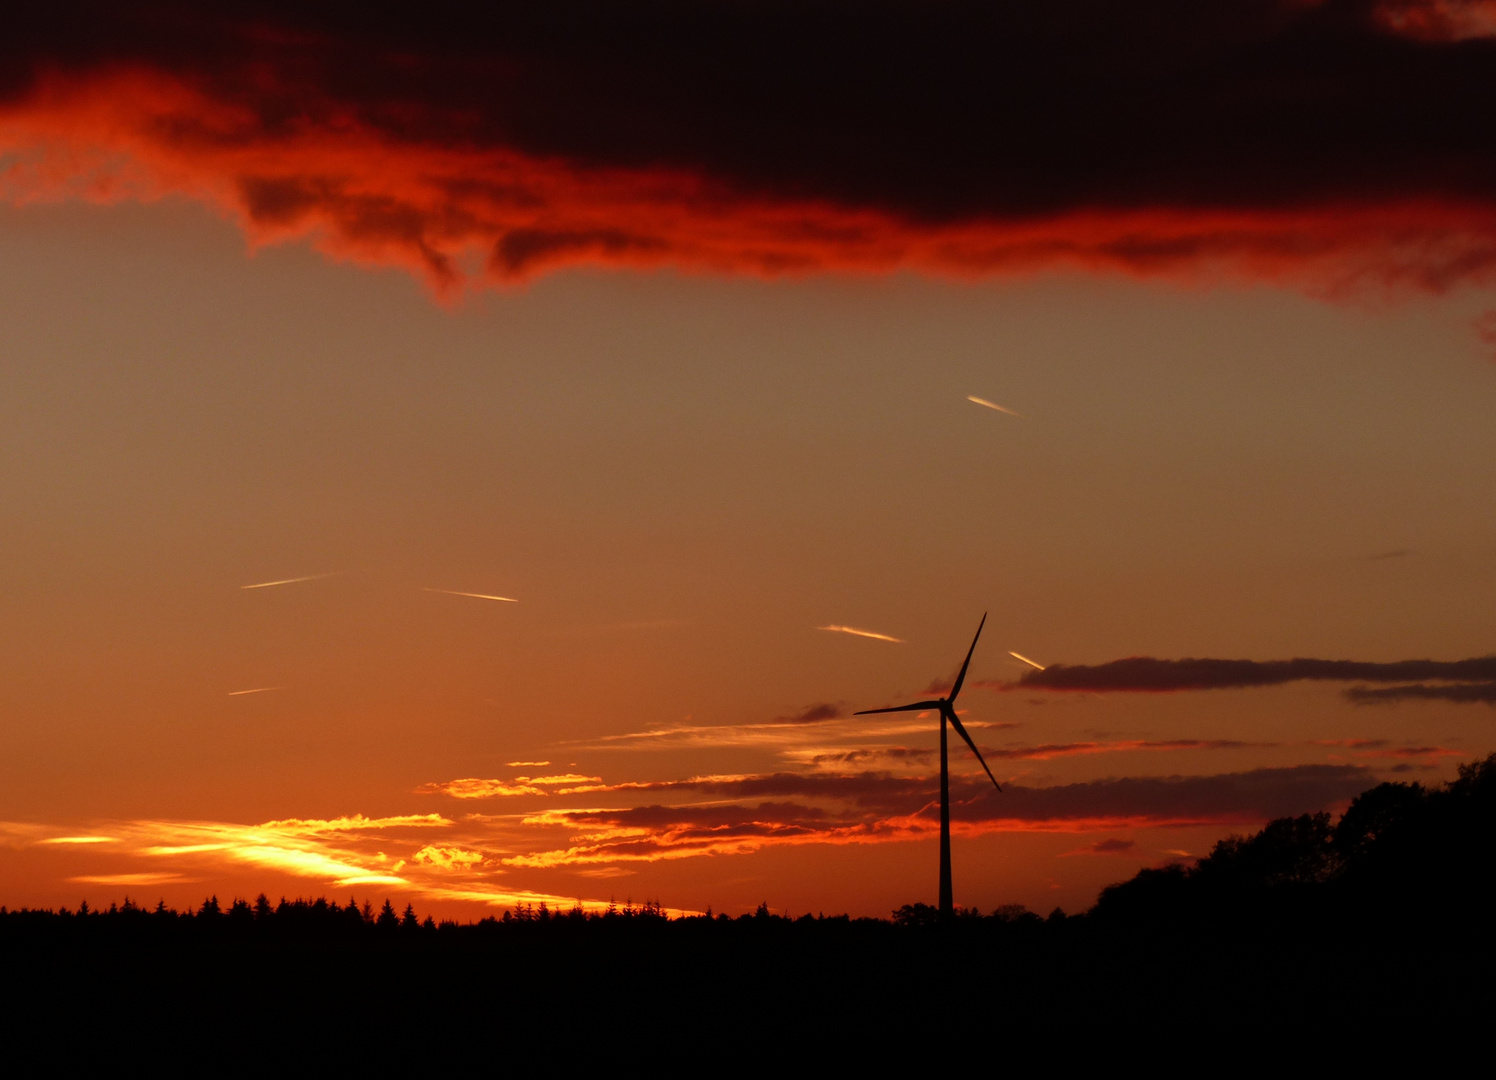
[1400, 854]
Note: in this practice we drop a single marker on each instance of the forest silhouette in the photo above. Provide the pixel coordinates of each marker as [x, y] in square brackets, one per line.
[1381, 918]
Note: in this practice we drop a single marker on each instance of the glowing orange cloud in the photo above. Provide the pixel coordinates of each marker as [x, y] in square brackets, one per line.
[355, 823]
[447, 858]
[669, 820]
[472, 787]
[562, 778]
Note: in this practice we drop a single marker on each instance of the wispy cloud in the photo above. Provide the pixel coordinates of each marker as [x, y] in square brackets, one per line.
[1384, 748]
[837, 759]
[473, 595]
[526, 764]
[1460, 693]
[900, 755]
[861, 633]
[471, 787]
[989, 404]
[1046, 751]
[79, 840]
[1109, 846]
[147, 878]
[738, 815]
[813, 714]
[290, 580]
[783, 734]
[559, 779]
[255, 690]
[1147, 674]
[358, 823]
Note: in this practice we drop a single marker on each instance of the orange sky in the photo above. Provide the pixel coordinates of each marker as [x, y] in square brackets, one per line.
[480, 507]
[680, 480]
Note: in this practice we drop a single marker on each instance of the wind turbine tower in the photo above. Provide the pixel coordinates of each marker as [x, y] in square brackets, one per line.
[946, 707]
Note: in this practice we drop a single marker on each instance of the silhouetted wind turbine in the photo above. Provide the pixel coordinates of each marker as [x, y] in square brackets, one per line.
[946, 706]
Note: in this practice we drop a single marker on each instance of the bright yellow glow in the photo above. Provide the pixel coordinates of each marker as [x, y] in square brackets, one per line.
[501, 897]
[271, 847]
[78, 840]
[1025, 659]
[526, 764]
[474, 595]
[990, 404]
[861, 633]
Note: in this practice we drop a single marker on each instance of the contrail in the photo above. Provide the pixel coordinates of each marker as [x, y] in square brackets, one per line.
[474, 595]
[1026, 660]
[287, 581]
[256, 690]
[990, 404]
[861, 633]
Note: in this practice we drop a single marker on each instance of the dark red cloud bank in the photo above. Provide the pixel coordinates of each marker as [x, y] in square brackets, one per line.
[1330, 143]
[1467, 681]
[747, 812]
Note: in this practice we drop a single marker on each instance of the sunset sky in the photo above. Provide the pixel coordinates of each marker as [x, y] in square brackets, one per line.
[445, 454]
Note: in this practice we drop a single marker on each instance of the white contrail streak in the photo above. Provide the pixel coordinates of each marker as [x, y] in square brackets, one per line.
[256, 690]
[474, 595]
[861, 633]
[990, 404]
[1025, 659]
[286, 581]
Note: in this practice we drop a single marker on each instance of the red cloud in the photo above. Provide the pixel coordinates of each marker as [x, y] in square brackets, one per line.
[1328, 145]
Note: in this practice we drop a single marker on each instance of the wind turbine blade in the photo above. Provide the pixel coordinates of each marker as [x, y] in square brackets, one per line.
[961, 678]
[961, 731]
[918, 706]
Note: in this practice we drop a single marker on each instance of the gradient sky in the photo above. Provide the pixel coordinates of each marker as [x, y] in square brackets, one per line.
[683, 456]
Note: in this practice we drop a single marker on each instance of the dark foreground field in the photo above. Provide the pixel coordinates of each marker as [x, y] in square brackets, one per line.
[1364, 938]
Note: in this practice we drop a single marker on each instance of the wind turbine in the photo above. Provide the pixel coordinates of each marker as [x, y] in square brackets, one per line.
[946, 706]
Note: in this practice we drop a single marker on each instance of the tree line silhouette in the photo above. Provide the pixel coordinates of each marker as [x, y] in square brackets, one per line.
[1398, 846]
[1371, 923]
